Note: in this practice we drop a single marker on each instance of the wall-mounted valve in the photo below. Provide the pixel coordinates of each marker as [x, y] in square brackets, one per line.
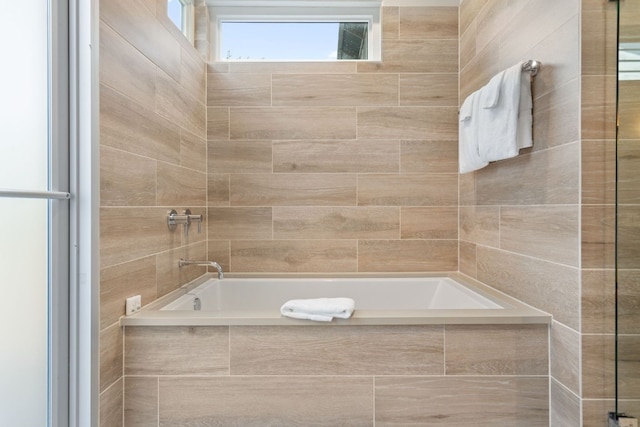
[186, 218]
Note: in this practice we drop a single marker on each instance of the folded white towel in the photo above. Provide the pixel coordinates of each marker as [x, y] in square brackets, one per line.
[468, 158]
[318, 309]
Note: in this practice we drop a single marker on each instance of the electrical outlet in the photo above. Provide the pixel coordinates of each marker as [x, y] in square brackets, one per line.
[133, 305]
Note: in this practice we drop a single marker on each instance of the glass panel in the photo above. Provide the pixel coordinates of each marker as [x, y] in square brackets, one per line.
[315, 41]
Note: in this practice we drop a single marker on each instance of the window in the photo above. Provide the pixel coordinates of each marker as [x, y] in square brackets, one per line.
[180, 12]
[295, 30]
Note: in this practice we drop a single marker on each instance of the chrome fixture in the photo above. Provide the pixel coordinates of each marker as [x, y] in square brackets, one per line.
[213, 264]
[186, 218]
[532, 66]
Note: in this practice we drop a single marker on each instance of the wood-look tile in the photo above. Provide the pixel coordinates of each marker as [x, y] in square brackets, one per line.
[336, 222]
[407, 255]
[598, 301]
[128, 233]
[429, 90]
[238, 90]
[564, 406]
[415, 56]
[565, 356]
[598, 237]
[170, 276]
[599, 42]
[141, 401]
[129, 126]
[556, 117]
[469, 11]
[628, 235]
[432, 123]
[286, 190]
[480, 225]
[219, 251]
[429, 223]
[390, 22]
[598, 107]
[467, 261]
[628, 158]
[467, 189]
[293, 123]
[124, 68]
[428, 156]
[462, 401]
[119, 282]
[628, 111]
[628, 301]
[468, 44]
[239, 156]
[218, 189]
[545, 177]
[428, 23]
[336, 156]
[234, 223]
[629, 366]
[307, 90]
[193, 151]
[161, 350]
[493, 19]
[139, 26]
[408, 189]
[260, 401]
[177, 105]
[217, 123]
[496, 349]
[548, 286]
[480, 69]
[599, 172]
[193, 75]
[598, 366]
[318, 350]
[111, 349]
[263, 256]
[293, 67]
[126, 179]
[178, 186]
[595, 412]
[111, 406]
[547, 232]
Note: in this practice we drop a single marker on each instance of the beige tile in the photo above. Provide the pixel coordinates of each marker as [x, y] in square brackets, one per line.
[556, 116]
[628, 235]
[429, 223]
[496, 349]
[239, 156]
[480, 225]
[408, 189]
[125, 69]
[463, 401]
[336, 222]
[307, 90]
[177, 105]
[599, 43]
[111, 406]
[407, 255]
[129, 126]
[595, 411]
[276, 401]
[193, 75]
[119, 282]
[217, 123]
[428, 156]
[468, 44]
[126, 179]
[293, 67]
[547, 232]
[628, 158]
[111, 348]
[467, 189]
[480, 69]
[415, 56]
[599, 107]
[598, 366]
[127, 234]
[433, 123]
[294, 256]
[629, 366]
[170, 276]
[628, 111]
[599, 173]
[548, 286]
[193, 151]
[546, 177]
[235, 223]
[598, 301]
[238, 90]
[219, 251]
[390, 22]
[628, 301]
[598, 236]
[293, 123]
[565, 356]
[469, 11]
[293, 190]
[141, 401]
[564, 406]
[467, 259]
[161, 350]
[363, 155]
[429, 90]
[318, 350]
[218, 189]
[178, 186]
[428, 23]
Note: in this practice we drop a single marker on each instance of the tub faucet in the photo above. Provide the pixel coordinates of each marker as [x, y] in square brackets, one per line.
[213, 264]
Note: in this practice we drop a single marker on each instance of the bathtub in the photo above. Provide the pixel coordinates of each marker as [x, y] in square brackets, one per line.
[379, 300]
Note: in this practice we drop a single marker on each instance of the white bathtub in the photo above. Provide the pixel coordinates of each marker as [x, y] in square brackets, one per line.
[452, 299]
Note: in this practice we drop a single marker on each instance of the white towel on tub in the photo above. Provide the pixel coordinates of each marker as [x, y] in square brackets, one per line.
[318, 309]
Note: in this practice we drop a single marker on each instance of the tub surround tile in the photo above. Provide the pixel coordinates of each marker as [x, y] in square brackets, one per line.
[219, 251]
[236, 223]
[629, 161]
[628, 300]
[407, 189]
[193, 75]
[193, 151]
[598, 51]
[318, 350]
[415, 56]
[429, 222]
[141, 401]
[238, 90]
[428, 23]
[111, 350]
[390, 22]
[159, 350]
[428, 156]
[174, 103]
[178, 186]
[239, 156]
[169, 275]
[629, 110]
[467, 255]
[218, 189]
[433, 123]
[429, 90]
[480, 225]
[598, 301]
[598, 237]
[218, 123]
[598, 366]
[111, 406]
[564, 406]
[496, 349]
[629, 235]
[599, 107]
[407, 255]
[565, 356]
[599, 172]
[556, 116]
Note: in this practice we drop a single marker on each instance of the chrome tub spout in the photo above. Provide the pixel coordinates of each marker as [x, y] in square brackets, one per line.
[213, 264]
